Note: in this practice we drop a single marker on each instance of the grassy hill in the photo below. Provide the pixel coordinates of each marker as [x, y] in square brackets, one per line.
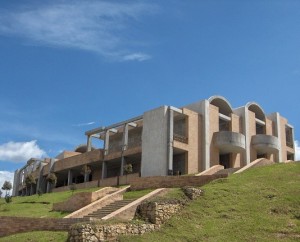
[37, 206]
[261, 204]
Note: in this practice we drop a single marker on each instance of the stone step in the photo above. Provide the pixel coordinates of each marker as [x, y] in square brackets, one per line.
[100, 213]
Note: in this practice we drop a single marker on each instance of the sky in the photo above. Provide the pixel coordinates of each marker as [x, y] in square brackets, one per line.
[70, 66]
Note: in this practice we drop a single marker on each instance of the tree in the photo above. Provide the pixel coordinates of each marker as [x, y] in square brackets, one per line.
[0, 193]
[7, 187]
[127, 170]
[29, 181]
[73, 187]
[51, 178]
[85, 171]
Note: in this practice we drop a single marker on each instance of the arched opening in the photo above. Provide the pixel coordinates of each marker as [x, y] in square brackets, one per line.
[225, 111]
[260, 117]
[223, 105]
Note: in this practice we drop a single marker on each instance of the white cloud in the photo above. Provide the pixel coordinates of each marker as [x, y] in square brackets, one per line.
[297, 146]
[97, 26]
[136, 56]
[20, 151]
[6, 176]
[83, 124]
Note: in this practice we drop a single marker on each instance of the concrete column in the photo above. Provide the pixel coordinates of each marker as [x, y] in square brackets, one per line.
[70, 177]
[206, 132]
[104, 171]
[124, 147]
[248, 138]
[16, 183]
[125, 137]
[86, 177]
[293, 137]
[106, 142]
[89, 143]
[170, 141]
[48, 187]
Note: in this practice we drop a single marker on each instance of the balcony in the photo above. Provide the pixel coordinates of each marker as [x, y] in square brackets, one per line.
[180, 138]
[265, 143]
[229, 142]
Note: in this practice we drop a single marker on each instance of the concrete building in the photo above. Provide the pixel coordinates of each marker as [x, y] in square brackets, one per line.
[167, 141]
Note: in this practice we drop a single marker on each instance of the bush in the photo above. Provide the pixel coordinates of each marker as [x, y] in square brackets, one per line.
[40, 192]
[73, 187]
[8, 198]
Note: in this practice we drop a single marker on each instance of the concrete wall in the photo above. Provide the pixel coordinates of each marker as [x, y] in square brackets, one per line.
[78, 160]
[194, 145]
[154, 146]
[213, 127]
[82, 199]
[252, 132]
[13, 225]
[172, 181]
[236, 126]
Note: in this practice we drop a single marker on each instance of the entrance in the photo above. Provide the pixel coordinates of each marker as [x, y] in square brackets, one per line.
[224, 160]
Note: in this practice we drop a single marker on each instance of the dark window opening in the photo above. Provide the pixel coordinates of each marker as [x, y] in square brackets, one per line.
[261, 156]
[289, 137]
[224, 160]
[260, 129]
[290, 156]
[224, 125]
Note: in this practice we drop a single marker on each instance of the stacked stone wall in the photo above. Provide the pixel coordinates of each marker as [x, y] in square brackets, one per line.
[158, 212]
[98, 232]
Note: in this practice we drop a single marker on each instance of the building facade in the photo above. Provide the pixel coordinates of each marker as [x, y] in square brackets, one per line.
[168, 141]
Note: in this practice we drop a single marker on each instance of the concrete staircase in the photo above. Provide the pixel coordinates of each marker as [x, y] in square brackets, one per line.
[108, 209]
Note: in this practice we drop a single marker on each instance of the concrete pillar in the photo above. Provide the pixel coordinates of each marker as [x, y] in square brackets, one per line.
[70, 177]
[293, 137]
[104, 171]
[206, 132]
[89, 143]
[170, 140]
[248, 138]
[86, 177]
[275, 117]
[106, 142]
[16, 183]
[124, 147]
[48, 187]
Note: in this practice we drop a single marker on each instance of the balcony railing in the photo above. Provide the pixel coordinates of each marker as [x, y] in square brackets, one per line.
[180, 138]
[265, 143]
[229, 142]
[290, 144]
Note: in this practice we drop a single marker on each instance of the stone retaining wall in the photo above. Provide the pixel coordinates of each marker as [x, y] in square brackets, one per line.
[98, 232]
[13, 225]
[172, 181]
[158, 212]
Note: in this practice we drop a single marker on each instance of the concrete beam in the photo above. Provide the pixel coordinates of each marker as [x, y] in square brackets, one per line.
[103, 128]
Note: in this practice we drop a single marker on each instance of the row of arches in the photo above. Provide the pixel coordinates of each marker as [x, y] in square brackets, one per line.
[225, 107]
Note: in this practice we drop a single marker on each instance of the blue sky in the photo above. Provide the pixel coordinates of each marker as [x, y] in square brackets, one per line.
[70, 66]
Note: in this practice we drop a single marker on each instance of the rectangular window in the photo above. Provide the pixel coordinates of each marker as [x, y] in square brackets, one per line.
[289, 137]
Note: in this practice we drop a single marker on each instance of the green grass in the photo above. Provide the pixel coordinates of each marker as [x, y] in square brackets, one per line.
[136, 194]
[262, 204]
[37, 206]
[39, 236]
